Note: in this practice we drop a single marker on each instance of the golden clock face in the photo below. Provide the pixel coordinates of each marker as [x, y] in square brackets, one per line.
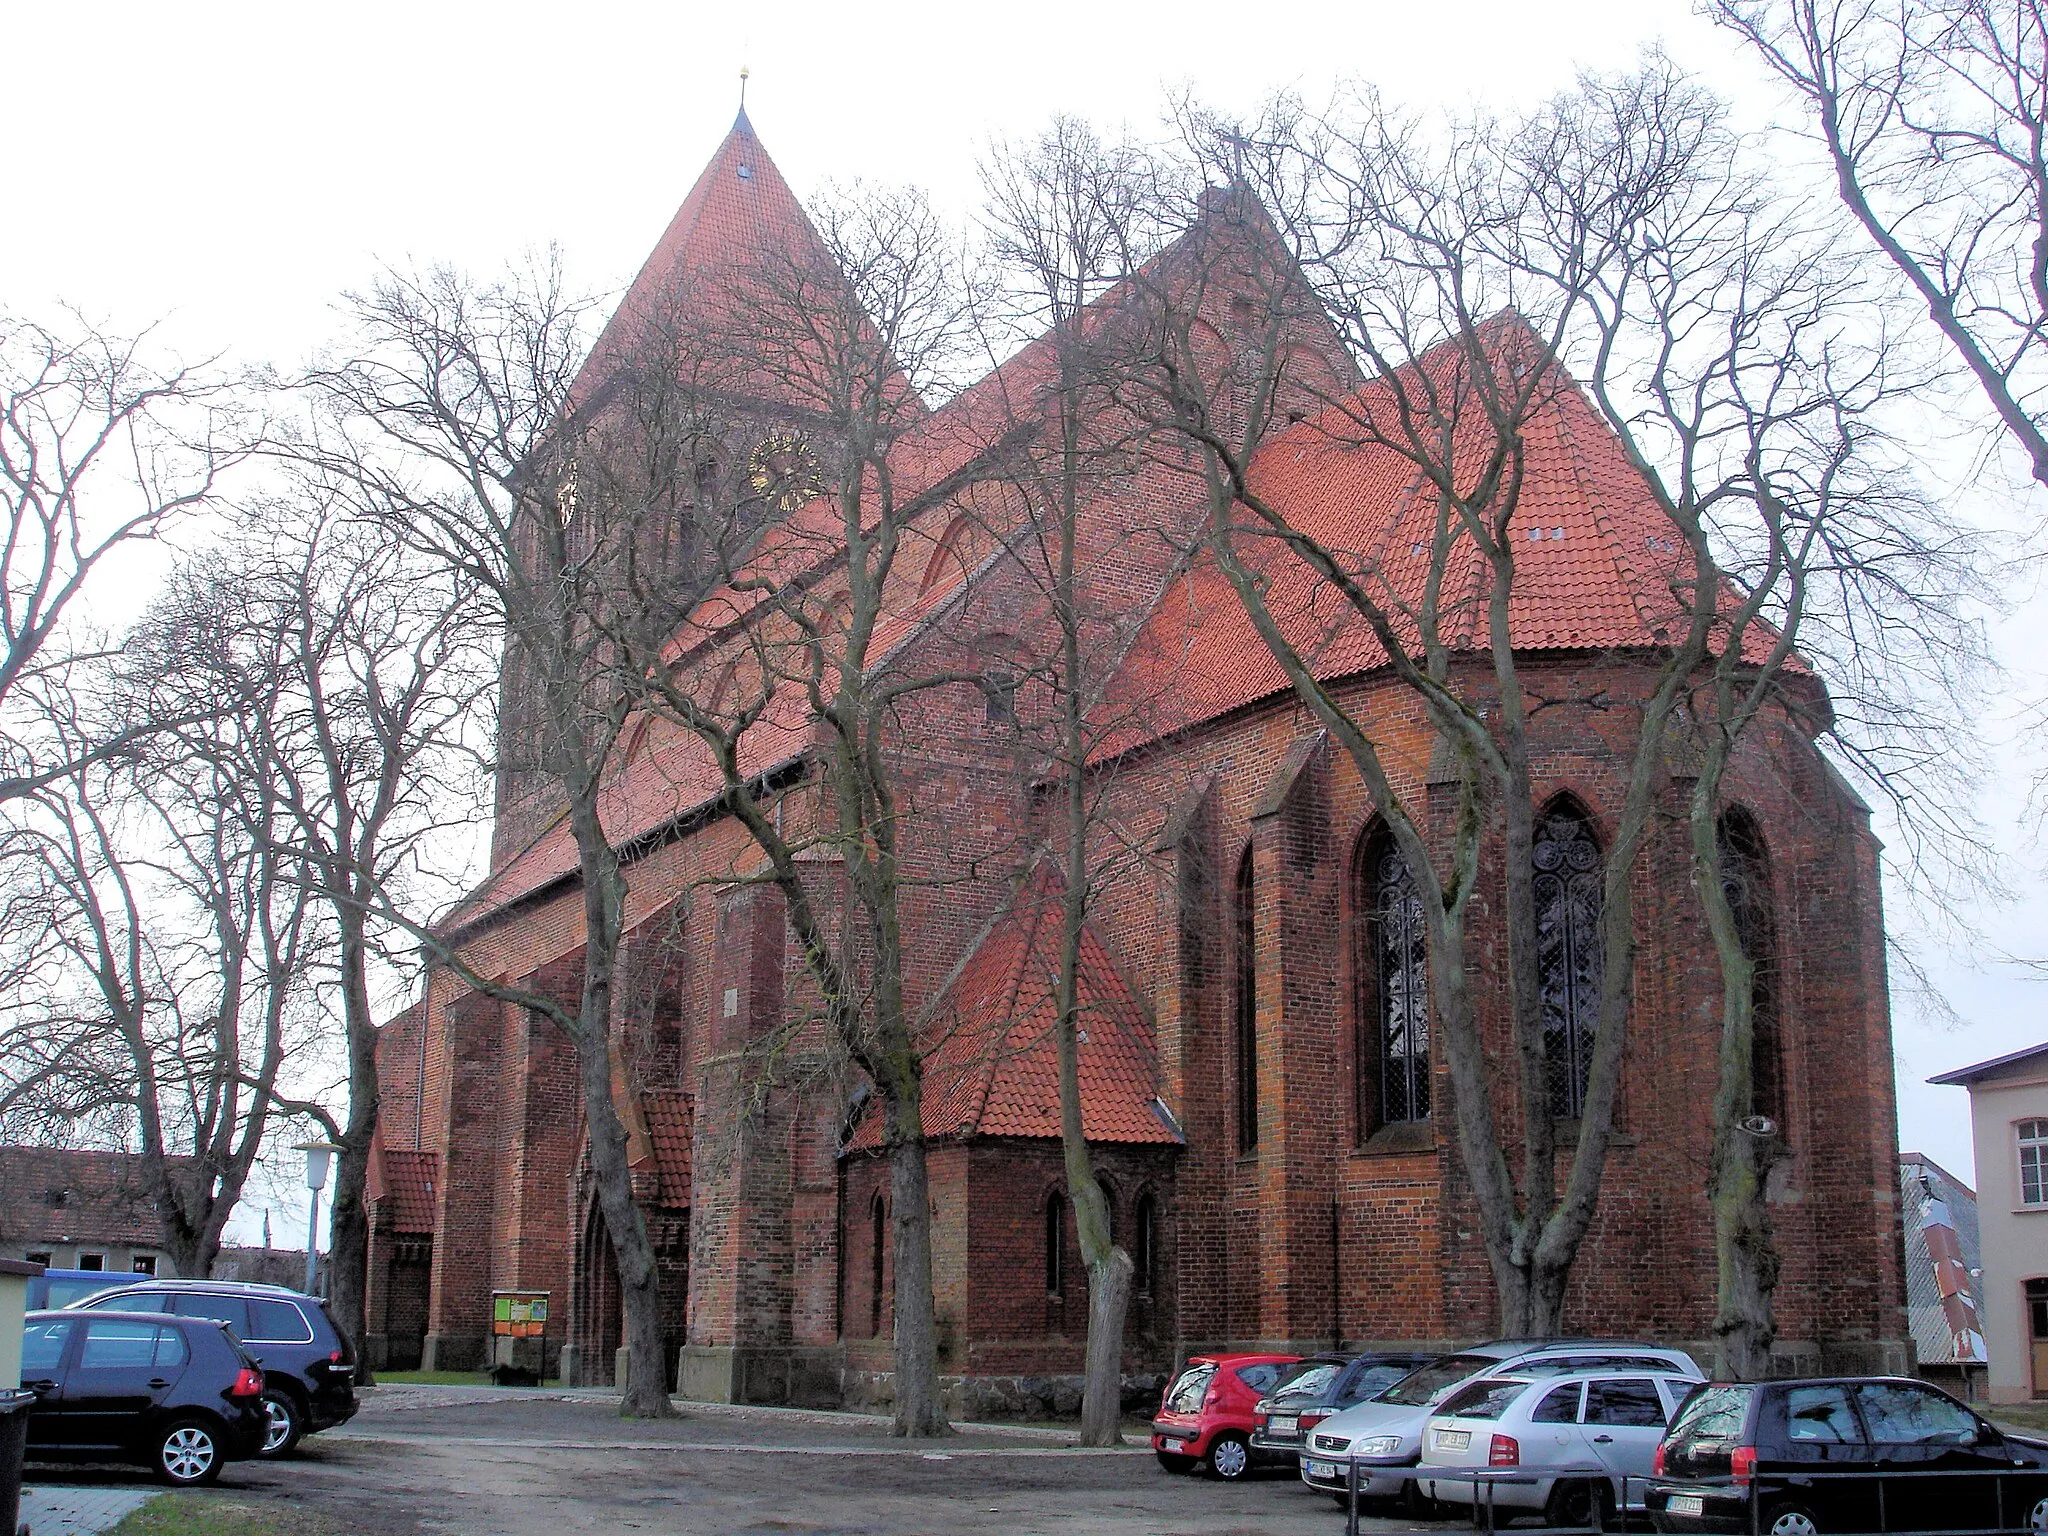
[784, 471]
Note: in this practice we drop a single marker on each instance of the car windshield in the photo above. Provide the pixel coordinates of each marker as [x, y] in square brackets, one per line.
[1487, 1399]
[68, 1293]
[1423, 1387]
[1185, 1395]
[1311, 1380]
[1712, 1413]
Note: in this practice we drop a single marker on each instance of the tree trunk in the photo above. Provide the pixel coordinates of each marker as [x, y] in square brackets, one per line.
[349, 1250]
[919, 1412]
[1109, 1300]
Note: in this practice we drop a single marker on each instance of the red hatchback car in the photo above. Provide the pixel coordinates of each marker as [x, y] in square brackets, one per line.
[1207, 1412]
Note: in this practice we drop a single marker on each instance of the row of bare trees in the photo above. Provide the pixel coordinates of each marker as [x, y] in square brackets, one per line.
[222, 835]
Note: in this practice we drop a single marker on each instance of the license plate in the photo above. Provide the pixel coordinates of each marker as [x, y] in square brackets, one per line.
[1451, 1439]
[1686, 1504]
[1283, 1424]
[1175, 1445]
[1323, 1469]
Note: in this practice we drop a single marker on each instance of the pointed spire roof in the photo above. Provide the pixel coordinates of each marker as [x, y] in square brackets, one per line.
[740, 210]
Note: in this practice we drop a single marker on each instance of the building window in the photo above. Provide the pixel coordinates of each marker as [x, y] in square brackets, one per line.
[145, 1264]
[1568, 950]
[1055, 1245]
[1393, 1039]
[42, 1258]
[1145, 1244]
[92, 1261]
[2033, 1136]
[2037, 1310]
[1746, 878]
[878, 1252]
[1245, 1009]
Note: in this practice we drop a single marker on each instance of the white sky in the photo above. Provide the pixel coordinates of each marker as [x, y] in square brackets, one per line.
[226, 169]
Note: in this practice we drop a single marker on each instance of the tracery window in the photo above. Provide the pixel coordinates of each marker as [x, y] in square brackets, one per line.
[1568, 950]
[1399, 975]
[1746, 879]
[1245, 1009]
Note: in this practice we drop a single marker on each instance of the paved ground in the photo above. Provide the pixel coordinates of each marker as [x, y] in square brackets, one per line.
[58, 1511]
[419, 1461]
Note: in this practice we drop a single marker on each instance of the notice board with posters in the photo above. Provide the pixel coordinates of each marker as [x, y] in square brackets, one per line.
[519, 1314]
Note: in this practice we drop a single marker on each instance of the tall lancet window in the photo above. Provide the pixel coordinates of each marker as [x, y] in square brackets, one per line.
[1245, 1005]
[1400, 972]
[1568, 950]
[1746, 877]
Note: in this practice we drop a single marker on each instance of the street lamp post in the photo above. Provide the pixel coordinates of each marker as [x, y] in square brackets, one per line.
[318, 1155]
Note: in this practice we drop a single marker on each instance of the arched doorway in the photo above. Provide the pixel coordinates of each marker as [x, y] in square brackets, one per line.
[596, 1328]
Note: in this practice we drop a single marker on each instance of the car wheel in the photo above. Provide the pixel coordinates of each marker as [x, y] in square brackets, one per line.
[188, 1454]
[284, 1423]
[2037, 1517]
[1230, 1457]
[1790, 1520]
[1577, 1504]
[1174, 1463]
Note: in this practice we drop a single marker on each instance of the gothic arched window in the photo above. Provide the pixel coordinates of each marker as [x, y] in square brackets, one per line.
[948, 555]
[1568, 950]
[1746, 878]
[1394, 1002]
[879, 1215]
[1145, 1245]
[1245, 1006]
[1055, 1245]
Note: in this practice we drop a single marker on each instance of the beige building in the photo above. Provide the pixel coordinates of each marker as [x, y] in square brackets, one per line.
[2009, 1121]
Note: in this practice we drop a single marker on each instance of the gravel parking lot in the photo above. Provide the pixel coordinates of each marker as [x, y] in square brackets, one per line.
[422, 1460]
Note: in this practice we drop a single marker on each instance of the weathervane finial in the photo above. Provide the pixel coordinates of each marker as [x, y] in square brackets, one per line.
[744, 72]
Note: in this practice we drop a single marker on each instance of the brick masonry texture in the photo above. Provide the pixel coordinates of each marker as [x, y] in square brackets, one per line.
[753, 1154]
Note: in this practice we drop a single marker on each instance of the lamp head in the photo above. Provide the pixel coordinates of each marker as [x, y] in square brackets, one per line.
[318, 1155]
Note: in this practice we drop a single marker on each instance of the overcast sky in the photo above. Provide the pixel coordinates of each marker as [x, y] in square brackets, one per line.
[226, 169]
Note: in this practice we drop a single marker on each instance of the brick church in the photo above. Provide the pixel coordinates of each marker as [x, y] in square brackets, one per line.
[1257, 1064]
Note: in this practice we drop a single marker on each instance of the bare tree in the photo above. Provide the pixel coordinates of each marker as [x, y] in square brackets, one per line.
[456, 423]
[1931, 113]
[101, 451]
[1065, 215]
[354, 667]
[1616, 230]
[840, 332]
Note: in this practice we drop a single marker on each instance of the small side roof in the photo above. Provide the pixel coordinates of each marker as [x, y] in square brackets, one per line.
[1964, 1076]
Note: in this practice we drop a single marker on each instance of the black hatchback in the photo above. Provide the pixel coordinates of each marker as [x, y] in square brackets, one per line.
[1863, 1453]
[177, 1393]
[309, 1368]
[1319, 1387]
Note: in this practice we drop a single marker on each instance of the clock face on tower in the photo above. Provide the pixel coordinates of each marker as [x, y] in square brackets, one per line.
[784, 471]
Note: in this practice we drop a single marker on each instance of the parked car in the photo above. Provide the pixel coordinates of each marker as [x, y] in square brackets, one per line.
[68, 1287]
[1609, 1423]
[1205, 1416]
[177, 1393]
[1838, 1454]
[309, 1367]
[1319, 1387]
[1384, 1434]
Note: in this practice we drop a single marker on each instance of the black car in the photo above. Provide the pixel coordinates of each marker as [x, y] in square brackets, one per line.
[68, 1287]
[1319, 1387]
[178, 1393]
[1863, 1453]
[309, 1367]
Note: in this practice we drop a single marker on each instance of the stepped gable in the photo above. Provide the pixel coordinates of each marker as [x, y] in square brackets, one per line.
[991, 1066]
[1596, 560]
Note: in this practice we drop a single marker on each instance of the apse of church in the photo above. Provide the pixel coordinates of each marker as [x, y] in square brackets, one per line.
[1265, 1090]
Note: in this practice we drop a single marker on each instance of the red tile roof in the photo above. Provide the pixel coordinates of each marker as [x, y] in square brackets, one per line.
[1596, 560]
[63, 1195]
[668, 1113]
[991, 1068]
[408, 1187]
